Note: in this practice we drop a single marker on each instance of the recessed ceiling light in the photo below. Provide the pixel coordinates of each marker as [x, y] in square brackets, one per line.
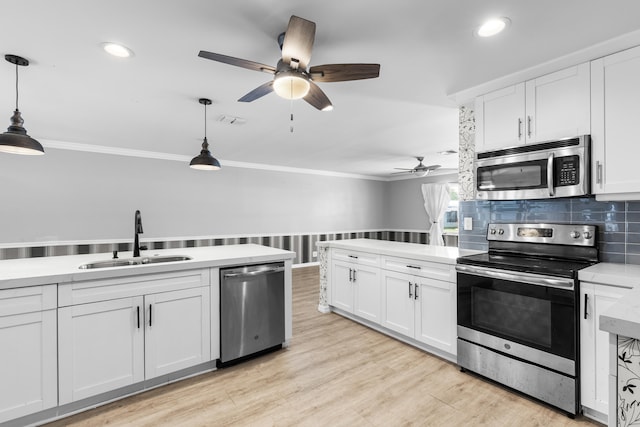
[493, 27]
[118, 50]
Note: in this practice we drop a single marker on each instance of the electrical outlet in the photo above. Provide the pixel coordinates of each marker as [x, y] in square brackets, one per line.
[314, 254]
[468, 223]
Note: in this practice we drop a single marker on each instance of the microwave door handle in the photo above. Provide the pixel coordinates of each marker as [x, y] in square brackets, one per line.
[550, 175]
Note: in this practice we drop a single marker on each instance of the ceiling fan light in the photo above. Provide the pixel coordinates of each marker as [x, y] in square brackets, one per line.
[422, 173]
[291, 85]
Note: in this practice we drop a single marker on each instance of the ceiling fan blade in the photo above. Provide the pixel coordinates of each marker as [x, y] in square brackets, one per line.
[256, 66]
[317, 98]
[298, 41]
[403, 169]
[344, 72]
[433, 167]
[258, 92]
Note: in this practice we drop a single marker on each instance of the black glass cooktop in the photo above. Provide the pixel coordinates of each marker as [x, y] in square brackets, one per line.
[527, 264]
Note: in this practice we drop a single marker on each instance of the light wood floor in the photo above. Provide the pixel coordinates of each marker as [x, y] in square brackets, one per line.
[335, 373]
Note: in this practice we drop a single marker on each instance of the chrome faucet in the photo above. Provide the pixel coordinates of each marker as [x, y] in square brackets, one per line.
[137, 230]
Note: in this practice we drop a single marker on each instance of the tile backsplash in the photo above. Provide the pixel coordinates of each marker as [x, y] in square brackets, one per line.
[618, 222]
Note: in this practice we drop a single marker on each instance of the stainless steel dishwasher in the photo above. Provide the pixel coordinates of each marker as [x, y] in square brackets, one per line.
[251, 310]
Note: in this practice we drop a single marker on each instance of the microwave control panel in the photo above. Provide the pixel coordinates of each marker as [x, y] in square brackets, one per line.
[567, 171]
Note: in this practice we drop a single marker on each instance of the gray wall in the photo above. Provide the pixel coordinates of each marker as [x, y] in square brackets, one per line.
[405, 202]
[78, 196]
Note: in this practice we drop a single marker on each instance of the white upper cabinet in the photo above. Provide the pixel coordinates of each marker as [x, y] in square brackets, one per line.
[615, 91]
[549, 107]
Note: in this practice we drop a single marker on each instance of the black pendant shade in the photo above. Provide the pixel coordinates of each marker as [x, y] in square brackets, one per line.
[15, 140]
[204, 160]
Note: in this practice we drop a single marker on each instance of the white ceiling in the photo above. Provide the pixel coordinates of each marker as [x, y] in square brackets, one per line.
[74, 92]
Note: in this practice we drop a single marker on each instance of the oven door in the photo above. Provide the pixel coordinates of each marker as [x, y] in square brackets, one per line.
[528, 316]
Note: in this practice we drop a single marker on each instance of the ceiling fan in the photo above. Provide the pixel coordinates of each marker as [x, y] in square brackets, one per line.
[292, 77]
[420, 170]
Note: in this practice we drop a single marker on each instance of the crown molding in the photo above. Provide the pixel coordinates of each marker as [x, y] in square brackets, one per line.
[117, 151]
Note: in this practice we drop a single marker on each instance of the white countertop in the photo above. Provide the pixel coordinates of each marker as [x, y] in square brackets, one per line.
[62, 269]
[442, 254]
[623, 318]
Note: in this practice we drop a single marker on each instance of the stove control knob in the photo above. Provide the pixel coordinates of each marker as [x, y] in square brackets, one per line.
[574, 234]
[492, 231]
[587, 235]
[501, 232]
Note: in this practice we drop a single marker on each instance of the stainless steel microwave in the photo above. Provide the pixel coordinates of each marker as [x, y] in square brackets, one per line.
[546, 170]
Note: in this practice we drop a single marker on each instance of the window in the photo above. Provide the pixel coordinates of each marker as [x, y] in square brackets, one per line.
[450, 218]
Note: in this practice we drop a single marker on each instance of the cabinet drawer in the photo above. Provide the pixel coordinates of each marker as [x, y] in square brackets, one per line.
[27, 300]
[420, 268]
[361, 258]
[124, 287]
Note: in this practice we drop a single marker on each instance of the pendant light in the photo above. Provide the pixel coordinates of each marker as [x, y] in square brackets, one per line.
[15, 140]
[204, 160]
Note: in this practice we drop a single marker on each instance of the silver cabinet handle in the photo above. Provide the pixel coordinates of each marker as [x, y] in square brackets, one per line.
[350, 275]
[410, 290]
[519, 128]
[529, 126]
[354, 274]
[352, 256]
[550, 175]
[598, 172]
[415, 291]
[414, 266]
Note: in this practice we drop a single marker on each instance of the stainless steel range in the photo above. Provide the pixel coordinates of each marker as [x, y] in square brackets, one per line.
[518, 309]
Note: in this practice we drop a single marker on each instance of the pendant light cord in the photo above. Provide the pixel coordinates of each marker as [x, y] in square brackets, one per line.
[205, 120]
[17, 87]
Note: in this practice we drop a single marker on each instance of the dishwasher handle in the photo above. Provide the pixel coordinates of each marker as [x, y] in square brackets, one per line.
[253, 273]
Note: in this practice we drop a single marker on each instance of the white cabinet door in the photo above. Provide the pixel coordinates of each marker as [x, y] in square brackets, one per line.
[615, 92]
[28, 372]
[594, 345]
[177, 330]
[549, 107]
[101, 347]
[342, 285]
[500, 118]
[435, 316]
[367, 292]
[558, 105]
[398, 303]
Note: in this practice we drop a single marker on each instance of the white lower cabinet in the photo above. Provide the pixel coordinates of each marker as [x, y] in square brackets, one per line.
[28, 359]
[420, 308]
[106, 345]
[594, 348]
[101, 347]
[177, 331]
[355, 284]
[410, 297]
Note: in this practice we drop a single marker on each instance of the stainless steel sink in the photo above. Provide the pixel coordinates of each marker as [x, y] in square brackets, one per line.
[134, 261]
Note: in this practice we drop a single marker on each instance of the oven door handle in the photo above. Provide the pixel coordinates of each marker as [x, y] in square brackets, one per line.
[550, 183]
[515, 276]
